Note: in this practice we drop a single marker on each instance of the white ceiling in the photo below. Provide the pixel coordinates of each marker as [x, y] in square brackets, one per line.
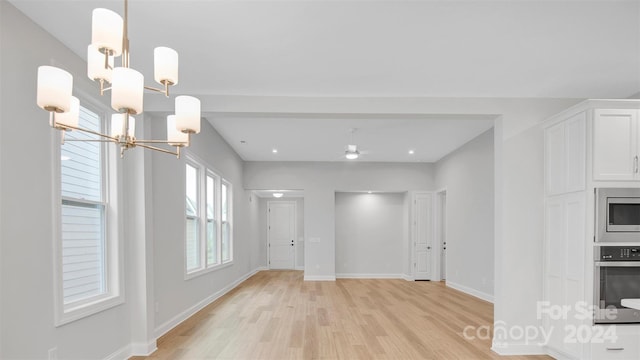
[379, 138]
[389, 49]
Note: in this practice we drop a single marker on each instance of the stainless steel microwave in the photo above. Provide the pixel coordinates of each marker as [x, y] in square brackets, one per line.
[618, 215]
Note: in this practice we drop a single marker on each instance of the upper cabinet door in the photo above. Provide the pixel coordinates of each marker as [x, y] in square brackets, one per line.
[555, 159]
[565, 155]
[615, 145]
[575, 135]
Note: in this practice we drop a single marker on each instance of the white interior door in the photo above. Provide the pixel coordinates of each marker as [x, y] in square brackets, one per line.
[281, 234]
[443, 235]
[422, 235]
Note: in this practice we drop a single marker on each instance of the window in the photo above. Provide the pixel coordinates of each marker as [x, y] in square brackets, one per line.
[193, 220]
[226, 221]
[86, 250]
[208, 232]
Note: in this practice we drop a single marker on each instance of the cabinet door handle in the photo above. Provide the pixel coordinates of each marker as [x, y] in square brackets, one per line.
[615, 349]
[635, 164]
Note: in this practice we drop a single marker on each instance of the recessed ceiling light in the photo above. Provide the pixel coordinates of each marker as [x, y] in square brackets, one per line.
[411, 152]
[277, 195]
[275, 151]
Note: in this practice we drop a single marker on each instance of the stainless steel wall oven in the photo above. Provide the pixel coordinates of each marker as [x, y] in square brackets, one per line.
[617, 277]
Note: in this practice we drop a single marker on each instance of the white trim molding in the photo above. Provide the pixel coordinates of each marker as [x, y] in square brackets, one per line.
[518, 349]
[470, 291]
[369, 276]
[408, 277]
[319, 278]
[142, 349]
[120, 354]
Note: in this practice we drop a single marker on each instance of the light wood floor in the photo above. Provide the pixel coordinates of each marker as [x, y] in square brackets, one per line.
[276, 315]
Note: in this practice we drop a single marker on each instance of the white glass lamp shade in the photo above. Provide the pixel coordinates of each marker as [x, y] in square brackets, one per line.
[352, 152]
[188, 114]
[175, 137]
[116, 125]
[106, 30]
[278, 195]
[127, 90]
[54, 89]
[95, 65]
[165, 61]
[351, 155]
[71, 117]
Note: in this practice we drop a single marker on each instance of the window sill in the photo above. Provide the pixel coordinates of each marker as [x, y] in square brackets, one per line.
[198, 273]
[82, 311]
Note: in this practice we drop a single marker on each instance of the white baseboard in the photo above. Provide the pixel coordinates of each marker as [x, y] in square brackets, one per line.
[142, 349]
[300, 267]
[518, 349]
[408, 277]
[369, 276]
[470, 291]
[319, 278]
[176, 320]
[121, 354]
[558, 355]
[260, 268]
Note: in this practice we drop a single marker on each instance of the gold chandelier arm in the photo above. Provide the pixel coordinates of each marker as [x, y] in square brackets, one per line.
[164, 91]
[83, 140]
[64, 127]
[176, 153]
[156, 142]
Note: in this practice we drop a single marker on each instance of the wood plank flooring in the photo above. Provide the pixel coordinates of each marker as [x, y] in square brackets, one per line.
[276, 315]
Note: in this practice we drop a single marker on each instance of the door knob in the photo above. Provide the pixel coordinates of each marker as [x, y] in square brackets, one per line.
[428, 247]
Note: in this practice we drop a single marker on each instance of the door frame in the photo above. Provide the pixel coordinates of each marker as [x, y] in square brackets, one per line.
[439, 225]
[295, 230]
[412, 238]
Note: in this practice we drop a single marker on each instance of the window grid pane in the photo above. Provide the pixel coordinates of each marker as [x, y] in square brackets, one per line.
[212, 228]
[83, 271]
[192, 244]
[83, 214]
[226, 223]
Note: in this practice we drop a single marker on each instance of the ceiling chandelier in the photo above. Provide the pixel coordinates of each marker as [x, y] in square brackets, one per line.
[109, 40]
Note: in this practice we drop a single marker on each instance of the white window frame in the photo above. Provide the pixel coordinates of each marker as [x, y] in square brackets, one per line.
[229, 220]
[204, 171]
[113, 262]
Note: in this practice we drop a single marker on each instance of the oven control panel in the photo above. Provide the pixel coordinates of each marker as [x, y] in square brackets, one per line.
[619, 253]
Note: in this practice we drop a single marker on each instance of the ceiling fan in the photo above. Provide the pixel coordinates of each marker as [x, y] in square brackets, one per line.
[351, 150]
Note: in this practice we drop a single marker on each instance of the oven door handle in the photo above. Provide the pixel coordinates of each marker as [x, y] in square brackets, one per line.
[618, 263]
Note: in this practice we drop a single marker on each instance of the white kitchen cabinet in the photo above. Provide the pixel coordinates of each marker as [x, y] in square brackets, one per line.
[616, 145]
[621, 344]
[564, 267]
[593, 144]
[565, 155]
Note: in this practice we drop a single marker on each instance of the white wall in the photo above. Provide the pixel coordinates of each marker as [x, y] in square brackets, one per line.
[369, 234]
[519, 254]
[175, 296]
[320, 181]
[153, 206]
[26, 219]
[468, 176]
[263, 229]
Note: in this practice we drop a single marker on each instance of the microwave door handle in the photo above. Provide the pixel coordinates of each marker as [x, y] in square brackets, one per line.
[618, 263]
